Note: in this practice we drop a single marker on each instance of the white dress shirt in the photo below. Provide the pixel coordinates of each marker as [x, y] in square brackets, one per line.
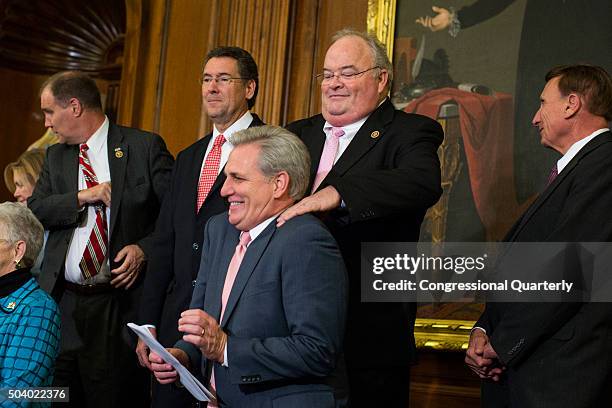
[98, 157]
[575, 148]
[242, 123]
[349, 134]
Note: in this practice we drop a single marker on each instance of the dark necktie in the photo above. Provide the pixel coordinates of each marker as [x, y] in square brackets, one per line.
[553, 175]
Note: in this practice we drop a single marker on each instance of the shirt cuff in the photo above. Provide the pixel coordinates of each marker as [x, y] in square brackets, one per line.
[225, 356]
[477, 328]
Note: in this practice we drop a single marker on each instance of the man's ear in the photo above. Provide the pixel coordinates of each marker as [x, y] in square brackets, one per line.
[281, 184]
[573, 104]
[383, 79]
[76, 106]
[250, 89]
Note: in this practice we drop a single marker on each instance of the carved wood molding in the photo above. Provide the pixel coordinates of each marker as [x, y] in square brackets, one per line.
[260, 27]
[381, 21]
[44, 37]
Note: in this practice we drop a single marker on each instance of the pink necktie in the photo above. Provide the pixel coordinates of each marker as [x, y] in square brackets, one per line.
[328, 156]
[209, 171]
[230, 277]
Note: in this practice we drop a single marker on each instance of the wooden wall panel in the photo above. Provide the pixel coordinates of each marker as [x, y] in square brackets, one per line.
[262, 28]
[142, 64]
[312, 31]
[180, 103]
[167, 40]
[20, 117]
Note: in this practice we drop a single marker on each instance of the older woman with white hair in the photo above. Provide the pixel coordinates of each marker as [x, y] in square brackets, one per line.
[29, 318]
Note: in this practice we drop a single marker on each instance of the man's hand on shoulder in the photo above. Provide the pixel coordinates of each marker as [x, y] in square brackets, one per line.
[323, 200]
[96, 194]
[133, 261]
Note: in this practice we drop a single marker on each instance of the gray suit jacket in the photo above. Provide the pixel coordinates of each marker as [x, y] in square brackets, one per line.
[285, 315]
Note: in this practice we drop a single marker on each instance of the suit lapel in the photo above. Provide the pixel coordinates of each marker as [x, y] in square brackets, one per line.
[214, 289]
[370, 133]
[71, 168]
[364, 140]
[545, 195]
[194, 177]
[221, 177]
[117, 163]
[314, 139]
[249, 262]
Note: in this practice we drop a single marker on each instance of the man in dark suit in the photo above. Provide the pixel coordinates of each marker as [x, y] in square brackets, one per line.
[279, 295]
[557, 354]
[229, 87]
[99, 237]
[374, 173]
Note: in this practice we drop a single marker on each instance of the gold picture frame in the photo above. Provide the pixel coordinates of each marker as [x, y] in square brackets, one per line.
[429, 333]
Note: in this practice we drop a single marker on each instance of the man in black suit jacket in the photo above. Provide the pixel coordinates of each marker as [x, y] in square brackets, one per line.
[385, 175]
[96, 300]
[557, 354]
[229, 88]
[281, 308]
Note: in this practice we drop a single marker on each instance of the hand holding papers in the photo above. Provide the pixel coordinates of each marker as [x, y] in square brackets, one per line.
[192, 384]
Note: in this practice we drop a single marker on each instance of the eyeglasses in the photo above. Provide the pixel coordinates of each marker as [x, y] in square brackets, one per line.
[344, 75]
[221, 81]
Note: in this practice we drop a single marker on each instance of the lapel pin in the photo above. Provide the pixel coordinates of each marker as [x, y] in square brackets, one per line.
[375, 134]
[118, 152]
[11, 305]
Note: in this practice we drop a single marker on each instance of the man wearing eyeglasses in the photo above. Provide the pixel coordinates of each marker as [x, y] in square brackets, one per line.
[375, 172]
[229, 87]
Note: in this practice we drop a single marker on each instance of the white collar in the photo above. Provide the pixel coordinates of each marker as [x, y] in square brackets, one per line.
[242, 123]
[96, 142]
[259, 228]
[575, 148]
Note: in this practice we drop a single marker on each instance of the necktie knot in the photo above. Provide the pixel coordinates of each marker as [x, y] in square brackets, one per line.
[84, 148]
[245, 238]
[219, 140]
[337, 132]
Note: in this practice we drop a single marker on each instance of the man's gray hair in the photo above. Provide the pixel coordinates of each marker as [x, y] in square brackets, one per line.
[18, 223]
[379, 52]
[281, 150]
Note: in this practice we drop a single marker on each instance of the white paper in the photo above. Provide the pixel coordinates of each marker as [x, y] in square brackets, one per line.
[192, 384]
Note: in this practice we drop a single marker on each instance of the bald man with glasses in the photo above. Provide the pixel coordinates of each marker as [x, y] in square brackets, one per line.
[375, 172]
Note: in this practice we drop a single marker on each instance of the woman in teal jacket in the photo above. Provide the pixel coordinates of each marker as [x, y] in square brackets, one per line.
[29, 318]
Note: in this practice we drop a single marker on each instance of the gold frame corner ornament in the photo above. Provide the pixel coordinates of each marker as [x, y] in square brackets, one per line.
[442, 334]
[381, 22]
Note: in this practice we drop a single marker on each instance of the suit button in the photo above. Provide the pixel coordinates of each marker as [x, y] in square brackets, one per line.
[195, 246]
[193, 283]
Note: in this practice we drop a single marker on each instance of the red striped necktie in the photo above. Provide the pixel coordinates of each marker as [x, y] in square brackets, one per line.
[97, 245]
